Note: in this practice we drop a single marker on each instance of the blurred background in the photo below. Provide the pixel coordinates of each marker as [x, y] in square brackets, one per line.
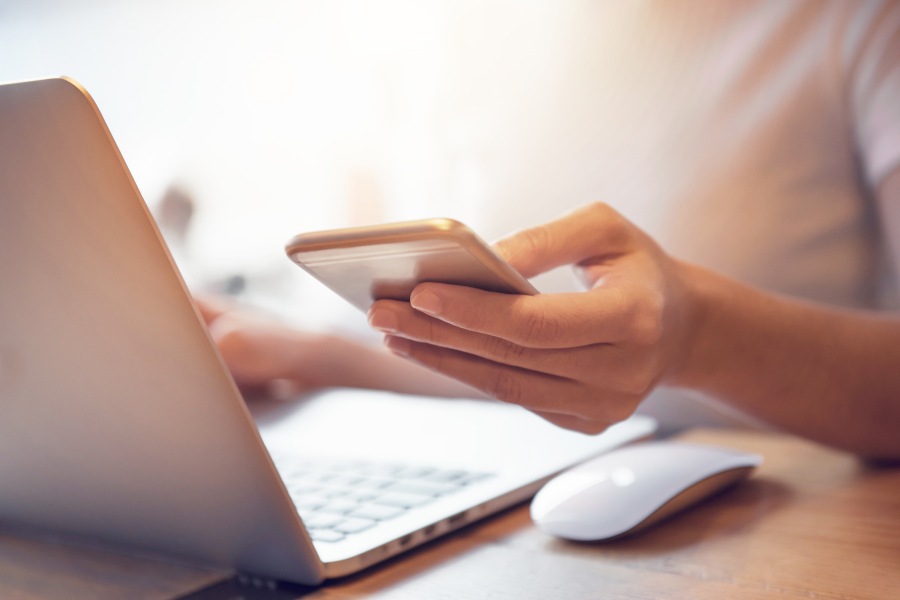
[265, 119]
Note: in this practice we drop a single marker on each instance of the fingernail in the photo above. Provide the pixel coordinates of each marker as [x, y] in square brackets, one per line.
[383, 320]
[398, 345]
[426, 302]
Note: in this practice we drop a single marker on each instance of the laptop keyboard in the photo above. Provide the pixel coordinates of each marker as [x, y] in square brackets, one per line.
[337, 498]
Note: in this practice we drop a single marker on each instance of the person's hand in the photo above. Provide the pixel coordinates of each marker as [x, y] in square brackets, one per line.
[263, 355]
[581, 360]
[267, 357]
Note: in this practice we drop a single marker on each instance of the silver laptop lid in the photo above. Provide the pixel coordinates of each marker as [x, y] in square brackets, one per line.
[117, 418]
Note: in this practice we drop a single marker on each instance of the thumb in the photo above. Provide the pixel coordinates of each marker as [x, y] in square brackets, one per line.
[589, 233]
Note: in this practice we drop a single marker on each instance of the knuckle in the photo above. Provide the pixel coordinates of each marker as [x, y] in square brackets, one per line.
[616, 228]
[536, 328]
[503, 351]
[431, 357]
[536, 239]
[431, 331]
[505, 386]
[601, 210]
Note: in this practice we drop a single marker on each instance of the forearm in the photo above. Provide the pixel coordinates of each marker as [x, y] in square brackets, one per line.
[828, 374]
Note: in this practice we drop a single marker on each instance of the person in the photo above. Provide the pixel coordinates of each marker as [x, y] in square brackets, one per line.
[759, 143]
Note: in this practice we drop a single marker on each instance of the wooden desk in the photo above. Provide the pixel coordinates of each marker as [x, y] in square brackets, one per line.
[811, 523]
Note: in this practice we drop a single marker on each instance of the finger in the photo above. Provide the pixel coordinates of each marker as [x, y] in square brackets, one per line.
[534, 391]
[537, 392]
[211, 307]
[256, 350]
[399, 318]
[610, 314]
[586, 426]
[614, 368]
[590, 232]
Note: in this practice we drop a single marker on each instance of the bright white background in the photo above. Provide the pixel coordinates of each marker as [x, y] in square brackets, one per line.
[286, 116]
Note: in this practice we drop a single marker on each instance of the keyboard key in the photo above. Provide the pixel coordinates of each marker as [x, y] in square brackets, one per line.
[402, 500]
[340, 507]
[445, 476]
[471, 478]
[423, 488]
[378, 512]
[310, 502]
[317, 496]
[302, 489]
[354, 525]
[373, 483]
[335, 493]
[361, 496]
[324, 477]
[297, 474]
[413, 472]
[326, 535]
[346, 480]
[321, 520]
[381, 470]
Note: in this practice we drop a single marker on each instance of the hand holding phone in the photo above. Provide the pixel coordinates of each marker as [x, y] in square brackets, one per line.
[365, 264]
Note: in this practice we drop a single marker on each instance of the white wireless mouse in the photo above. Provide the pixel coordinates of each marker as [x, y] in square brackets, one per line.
[627, 489]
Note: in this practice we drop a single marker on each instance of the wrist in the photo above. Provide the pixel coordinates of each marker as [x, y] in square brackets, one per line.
[702, 297]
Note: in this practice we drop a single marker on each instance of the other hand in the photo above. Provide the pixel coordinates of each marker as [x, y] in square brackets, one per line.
[263, 355]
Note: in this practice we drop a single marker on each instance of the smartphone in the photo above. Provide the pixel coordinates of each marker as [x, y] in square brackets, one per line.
[364, 264]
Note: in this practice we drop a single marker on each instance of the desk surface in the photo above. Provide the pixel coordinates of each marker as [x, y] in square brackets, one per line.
[812, 522]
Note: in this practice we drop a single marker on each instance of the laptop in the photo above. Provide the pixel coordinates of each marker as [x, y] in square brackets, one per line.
[119, 423]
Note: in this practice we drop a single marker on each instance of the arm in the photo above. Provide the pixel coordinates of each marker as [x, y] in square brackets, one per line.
[830, 375]
[585, 361]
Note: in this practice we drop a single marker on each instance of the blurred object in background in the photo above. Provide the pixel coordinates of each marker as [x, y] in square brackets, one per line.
[174, 213]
